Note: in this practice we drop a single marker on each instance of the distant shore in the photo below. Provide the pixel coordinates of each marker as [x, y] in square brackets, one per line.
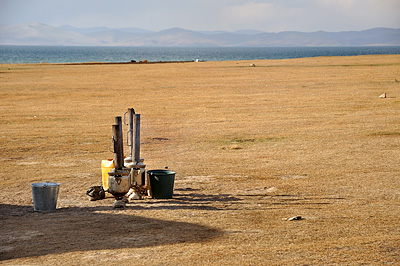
[125, 63]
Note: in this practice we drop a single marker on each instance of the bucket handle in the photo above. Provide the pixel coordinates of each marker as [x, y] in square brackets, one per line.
[45, 184]
[125, 116]
[154, 176]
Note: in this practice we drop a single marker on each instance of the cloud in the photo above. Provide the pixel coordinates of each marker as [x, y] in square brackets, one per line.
[341, 4]
[231, 15]
[359, 14]
[249, 11]
[258, 15]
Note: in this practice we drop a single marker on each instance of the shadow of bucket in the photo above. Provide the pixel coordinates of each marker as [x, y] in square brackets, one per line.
[161, 183]
[45, 196]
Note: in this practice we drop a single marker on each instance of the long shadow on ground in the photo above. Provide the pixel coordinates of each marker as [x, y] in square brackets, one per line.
[26, 233]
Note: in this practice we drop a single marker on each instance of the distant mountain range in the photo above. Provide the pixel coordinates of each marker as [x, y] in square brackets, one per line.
[41, 34]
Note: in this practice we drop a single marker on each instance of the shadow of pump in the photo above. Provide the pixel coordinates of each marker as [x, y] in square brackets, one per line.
[26, 233]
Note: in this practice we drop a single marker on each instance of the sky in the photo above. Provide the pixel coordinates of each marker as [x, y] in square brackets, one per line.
[207, 15]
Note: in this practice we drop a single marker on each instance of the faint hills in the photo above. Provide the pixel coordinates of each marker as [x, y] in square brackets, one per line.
[41, 34]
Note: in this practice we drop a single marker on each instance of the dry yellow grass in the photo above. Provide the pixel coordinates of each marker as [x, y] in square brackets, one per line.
[255, 145]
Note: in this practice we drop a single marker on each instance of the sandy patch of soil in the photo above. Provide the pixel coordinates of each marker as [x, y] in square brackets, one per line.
[251, 146]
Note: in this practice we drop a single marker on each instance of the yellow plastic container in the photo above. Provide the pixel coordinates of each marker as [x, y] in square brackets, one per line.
[106, 166]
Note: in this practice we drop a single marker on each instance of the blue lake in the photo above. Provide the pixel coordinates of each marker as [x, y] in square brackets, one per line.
[78, 54]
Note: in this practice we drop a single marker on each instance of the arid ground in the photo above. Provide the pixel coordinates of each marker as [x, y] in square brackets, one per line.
[251, 146]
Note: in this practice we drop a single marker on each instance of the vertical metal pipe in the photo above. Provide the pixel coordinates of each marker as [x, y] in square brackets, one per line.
[118, 144]
[131, 114]
[137, 138]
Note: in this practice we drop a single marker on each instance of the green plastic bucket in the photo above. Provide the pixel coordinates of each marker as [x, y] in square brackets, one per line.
[162, 183]
[45, 196]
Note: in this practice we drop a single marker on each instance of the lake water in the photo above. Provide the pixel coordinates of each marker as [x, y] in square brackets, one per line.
[75, 54]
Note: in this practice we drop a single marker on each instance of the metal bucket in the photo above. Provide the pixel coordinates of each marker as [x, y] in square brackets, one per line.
[45, 196]
[162, 183]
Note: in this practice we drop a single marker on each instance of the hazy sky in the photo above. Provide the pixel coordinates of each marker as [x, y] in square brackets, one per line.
[229, 15]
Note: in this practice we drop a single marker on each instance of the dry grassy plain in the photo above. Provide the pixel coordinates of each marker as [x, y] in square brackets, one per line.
[250, 145]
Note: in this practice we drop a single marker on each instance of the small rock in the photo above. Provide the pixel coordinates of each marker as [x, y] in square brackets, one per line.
[252, 65]
[272, 190]
[294, 218]
[235, 147]
[382, 95]
[134, 196]
[119, 204]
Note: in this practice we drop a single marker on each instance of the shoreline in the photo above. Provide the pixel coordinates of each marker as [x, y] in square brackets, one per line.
[123, 63]
[192, 61]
